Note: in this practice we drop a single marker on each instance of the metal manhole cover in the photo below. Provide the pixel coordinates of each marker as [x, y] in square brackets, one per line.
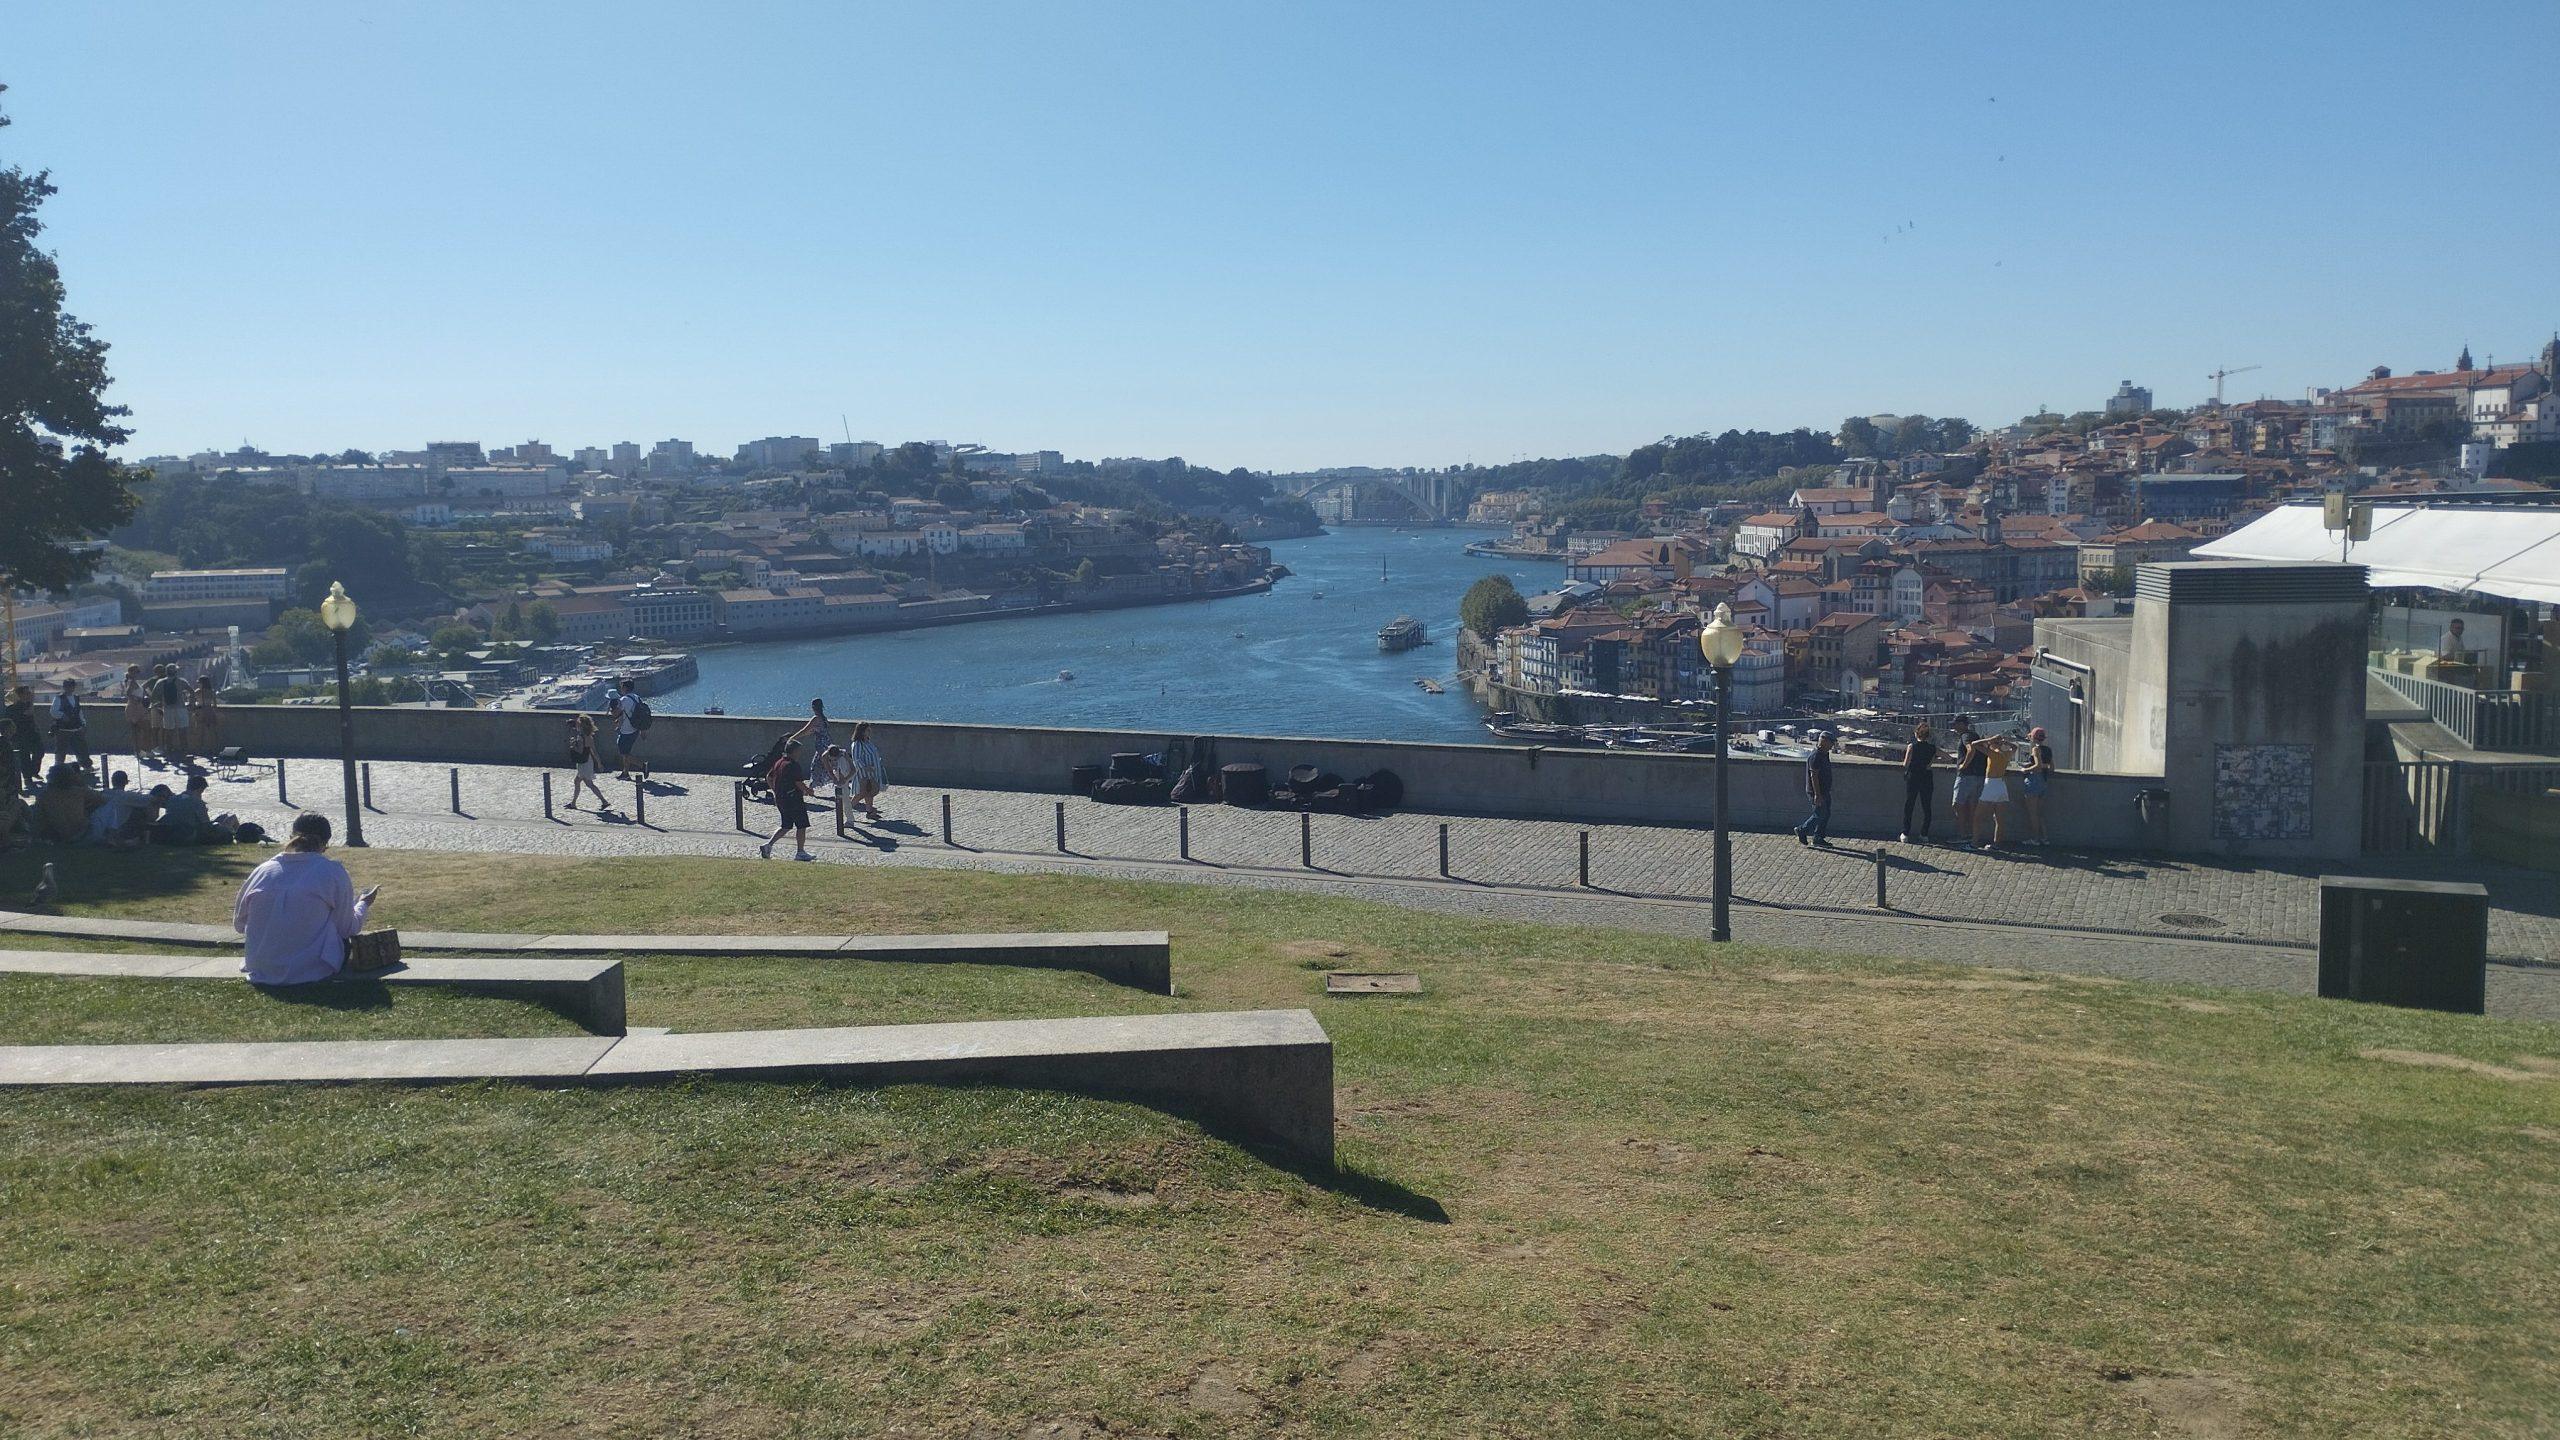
[2186, 921]
[1357, 982]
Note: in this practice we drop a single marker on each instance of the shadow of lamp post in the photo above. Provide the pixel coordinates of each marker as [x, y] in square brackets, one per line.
[1721, 643]
[338, 612]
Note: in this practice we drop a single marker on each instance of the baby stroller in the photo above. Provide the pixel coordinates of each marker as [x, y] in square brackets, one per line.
[757, 772]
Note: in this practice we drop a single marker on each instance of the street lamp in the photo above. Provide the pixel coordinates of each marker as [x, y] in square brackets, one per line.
[1721, 643]
[338, 612]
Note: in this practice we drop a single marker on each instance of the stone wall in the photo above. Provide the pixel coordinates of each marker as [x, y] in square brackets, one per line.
[1529, 782]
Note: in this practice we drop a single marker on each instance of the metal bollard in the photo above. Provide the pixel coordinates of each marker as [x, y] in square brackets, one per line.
[639, 801]
[946, 820]
[1880, 900]
[738, 804]
[281, 797]
[546, 795]
[839, 811]
[1182, 816]
[1584, 872]
[455, 776]
[1306, 841]
[1062, 827]
[1444, 849]
[367, 768]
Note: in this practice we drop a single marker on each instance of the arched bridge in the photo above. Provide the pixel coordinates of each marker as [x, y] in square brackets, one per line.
[1430, 492]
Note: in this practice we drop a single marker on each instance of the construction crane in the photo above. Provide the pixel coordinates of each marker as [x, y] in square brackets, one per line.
[2218, 376]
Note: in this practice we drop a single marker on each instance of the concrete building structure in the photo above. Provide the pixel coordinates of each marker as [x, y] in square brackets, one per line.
[253, 583]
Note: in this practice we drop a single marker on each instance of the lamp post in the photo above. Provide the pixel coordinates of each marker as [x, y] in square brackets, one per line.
[338, 612]
[1721, 643]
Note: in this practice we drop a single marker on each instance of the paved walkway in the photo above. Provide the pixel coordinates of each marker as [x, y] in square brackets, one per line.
[2182, 920]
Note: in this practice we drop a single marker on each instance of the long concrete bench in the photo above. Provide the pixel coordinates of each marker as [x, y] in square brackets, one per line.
[1139, 958]
[1264, 1074]
[586, 990]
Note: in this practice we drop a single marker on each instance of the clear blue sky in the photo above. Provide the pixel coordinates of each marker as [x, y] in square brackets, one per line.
[1272, 235]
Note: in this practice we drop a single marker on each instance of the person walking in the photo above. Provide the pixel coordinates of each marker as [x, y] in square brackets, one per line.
[630, 717]
[870, 774]
[1815, 828]
[790, 797]
[1917, 757]
[2033, 779]
[169, 701]
[582, 759]
[204, 714]
[70, 729]
[298, 911]
[1994, 802]
[815, 736]
[137, 713]
[1968, 791]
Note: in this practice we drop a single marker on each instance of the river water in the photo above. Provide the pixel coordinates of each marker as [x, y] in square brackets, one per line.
[1285, 663]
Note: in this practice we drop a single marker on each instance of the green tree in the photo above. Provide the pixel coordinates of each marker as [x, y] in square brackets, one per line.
[58, 485]
[1491, 606]
[543, 622]
[1860, 437]
[454, 639]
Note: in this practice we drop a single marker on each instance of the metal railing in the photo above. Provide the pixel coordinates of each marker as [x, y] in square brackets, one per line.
[2454, 808]
[2412, 807]
[2481, 719]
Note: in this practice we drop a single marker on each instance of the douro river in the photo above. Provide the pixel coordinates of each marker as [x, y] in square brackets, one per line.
[1302, 660]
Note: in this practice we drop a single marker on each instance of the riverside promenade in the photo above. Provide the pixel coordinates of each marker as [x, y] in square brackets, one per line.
[2180, 920]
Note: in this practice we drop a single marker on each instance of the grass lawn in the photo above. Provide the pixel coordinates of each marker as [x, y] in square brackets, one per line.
[1601, 1183]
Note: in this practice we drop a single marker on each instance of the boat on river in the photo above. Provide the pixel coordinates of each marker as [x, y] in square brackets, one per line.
[1402, 633]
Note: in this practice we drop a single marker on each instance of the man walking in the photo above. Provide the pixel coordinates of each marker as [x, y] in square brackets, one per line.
[1815, 828]
[630, 717]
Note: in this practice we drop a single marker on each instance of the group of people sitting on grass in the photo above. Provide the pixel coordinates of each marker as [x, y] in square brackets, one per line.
[69, 810]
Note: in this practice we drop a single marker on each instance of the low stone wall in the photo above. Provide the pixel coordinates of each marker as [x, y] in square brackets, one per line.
[1519, 781]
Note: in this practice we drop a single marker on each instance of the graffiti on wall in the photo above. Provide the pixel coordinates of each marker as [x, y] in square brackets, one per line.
[2262, 792]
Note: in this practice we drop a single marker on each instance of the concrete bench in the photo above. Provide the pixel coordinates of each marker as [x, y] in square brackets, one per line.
[1266, 1075]
[1139, 958]
[586, 990]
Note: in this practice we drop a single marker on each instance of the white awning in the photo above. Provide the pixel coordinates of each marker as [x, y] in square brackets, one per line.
[2509, 551]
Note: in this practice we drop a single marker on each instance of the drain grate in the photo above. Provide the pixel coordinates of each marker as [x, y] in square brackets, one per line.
[2186, 920]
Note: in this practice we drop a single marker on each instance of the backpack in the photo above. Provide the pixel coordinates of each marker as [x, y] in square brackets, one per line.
[640, 716]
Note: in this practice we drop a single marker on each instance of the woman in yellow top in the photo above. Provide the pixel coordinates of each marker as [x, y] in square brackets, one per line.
[1995, 790]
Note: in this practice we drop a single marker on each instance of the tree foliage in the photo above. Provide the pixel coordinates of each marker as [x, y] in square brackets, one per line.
[1491, 606]
[58, 485]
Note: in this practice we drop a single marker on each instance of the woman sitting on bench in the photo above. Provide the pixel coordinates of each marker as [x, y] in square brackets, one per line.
[299, 910]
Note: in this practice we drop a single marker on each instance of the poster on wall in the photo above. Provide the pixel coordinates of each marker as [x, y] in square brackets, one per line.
[2262, 792]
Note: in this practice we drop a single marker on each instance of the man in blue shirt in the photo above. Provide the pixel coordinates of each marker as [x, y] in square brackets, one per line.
[1815, 828]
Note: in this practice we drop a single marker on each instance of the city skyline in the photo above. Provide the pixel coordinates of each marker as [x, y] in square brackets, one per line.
[1332, 237]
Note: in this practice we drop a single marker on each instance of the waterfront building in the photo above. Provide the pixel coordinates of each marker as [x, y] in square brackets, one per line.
[672, 612]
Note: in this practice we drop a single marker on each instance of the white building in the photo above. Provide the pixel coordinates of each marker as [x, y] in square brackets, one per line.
[504, 482]
[777, 452]
[257, 584]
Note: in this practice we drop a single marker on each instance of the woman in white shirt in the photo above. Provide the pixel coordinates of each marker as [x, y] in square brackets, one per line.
[298, 911]
[870, 776]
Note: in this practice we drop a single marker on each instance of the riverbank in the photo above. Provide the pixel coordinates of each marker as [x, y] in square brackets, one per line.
[1007, 612]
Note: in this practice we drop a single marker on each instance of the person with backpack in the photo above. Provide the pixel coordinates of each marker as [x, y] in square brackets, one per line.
[169, 712]
[631, 719]
[791, 797]
[582, 759]
[70, 729]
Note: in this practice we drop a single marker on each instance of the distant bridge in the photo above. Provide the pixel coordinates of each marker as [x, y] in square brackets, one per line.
[1429, 493]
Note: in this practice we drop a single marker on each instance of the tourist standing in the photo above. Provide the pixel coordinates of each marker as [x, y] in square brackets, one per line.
[70, 728]
[169, 699]
[137, 713]
[25, 739]
[1969, 763]
[204, 712]
[582, 759]
[870, 775]
[1815, 828]
[1917, 757]
[1994, 802]
[790, 797]
[630, 716]
[2033, 778]
[298, 911]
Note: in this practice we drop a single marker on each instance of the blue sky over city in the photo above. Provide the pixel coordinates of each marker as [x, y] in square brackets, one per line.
[1274, 236]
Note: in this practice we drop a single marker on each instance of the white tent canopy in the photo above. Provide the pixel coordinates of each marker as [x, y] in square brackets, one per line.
[2505, 550]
